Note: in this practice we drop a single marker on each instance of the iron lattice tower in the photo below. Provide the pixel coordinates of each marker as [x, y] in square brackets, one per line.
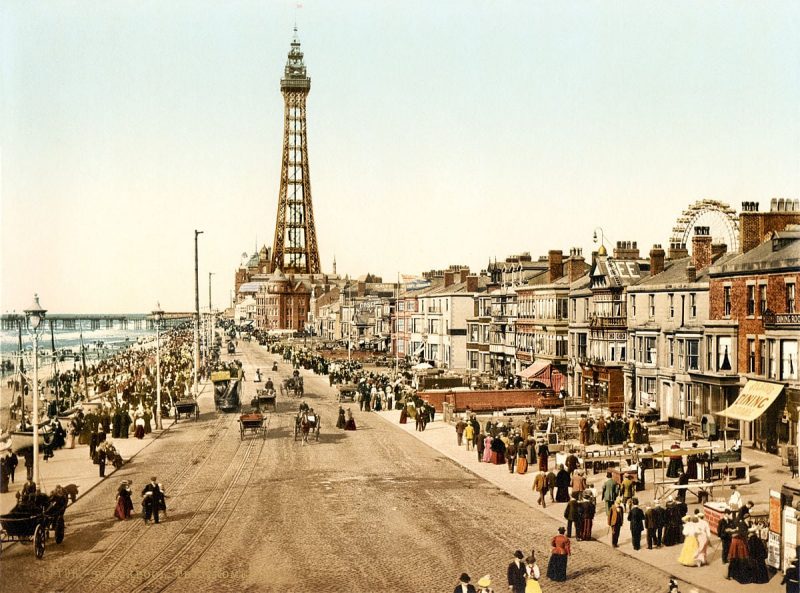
[295, 246]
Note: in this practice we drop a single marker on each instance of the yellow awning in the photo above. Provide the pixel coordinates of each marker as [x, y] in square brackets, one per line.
[753, 400]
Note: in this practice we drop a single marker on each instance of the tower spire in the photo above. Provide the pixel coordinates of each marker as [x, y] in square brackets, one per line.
[295, 245]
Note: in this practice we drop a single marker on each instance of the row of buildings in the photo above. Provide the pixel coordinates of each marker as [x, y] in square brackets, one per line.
[678, 332]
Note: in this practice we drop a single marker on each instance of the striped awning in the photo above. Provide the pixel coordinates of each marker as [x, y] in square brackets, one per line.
[537, 370]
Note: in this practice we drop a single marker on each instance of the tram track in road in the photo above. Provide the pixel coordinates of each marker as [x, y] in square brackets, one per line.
[118, 549]
[180, 559]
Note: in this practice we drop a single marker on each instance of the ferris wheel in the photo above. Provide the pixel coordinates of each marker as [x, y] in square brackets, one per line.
[718, 216]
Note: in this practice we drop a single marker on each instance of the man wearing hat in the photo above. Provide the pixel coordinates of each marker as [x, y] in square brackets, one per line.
[725, 528]
[152, 501]
[464, 585]
[517, 575]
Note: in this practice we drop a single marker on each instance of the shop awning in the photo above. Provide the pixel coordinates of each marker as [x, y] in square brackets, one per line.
[753, 400]
[533, 371]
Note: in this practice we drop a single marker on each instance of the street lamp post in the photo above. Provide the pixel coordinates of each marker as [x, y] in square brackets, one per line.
[158, 317]
[35, 315]
[196, 318]
[210, 339]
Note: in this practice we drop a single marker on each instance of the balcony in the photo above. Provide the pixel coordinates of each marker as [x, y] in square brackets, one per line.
[608, 322]
[781, 320]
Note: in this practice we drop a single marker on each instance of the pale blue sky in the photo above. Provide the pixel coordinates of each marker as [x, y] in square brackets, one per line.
[439, 132]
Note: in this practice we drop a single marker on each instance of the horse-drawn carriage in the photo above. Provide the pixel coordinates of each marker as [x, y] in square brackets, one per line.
[226, 390]
[292, 386]
[31, 522]
[188, 407]
[253, 423]
[266, 398]
[306, 423]
[347, 391]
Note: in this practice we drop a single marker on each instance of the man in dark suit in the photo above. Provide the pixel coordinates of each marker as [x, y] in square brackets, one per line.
[464, 585]
[152, 500]
[636, 519]
[517, 577]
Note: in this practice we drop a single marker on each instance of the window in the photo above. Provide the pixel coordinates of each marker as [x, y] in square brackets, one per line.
[751, 300]
[680, 355]
[762, 357]
[692, 355]
[692, 305]
[751, 355]
[790, 298]
[401, 306]
[633, 305]
[647, 390]
[762, 298]
[671, 351]
[671, 306]
[771, 352]
[401, 325]
[650, 350]
[727, 301]
[687, 403]
[473, 360]
[709, 353]
[574, 309]
[581, 345]
[586, 308]
[788, 359]
[651, 305]
[724, 353]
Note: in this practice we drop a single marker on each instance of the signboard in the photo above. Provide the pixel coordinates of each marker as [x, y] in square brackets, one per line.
[775, 511]
[753, 400]
[789, 535]
[774, 550]
[774, 539]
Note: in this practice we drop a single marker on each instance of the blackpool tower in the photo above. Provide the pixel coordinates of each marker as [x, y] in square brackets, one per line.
[295, 246]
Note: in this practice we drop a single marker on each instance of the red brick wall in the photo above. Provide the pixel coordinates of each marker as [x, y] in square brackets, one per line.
[480, 400]
[776, 302]
[754, 226]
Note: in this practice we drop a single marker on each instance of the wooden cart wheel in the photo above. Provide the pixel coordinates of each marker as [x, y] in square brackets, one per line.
[39, 541]
[60, 528]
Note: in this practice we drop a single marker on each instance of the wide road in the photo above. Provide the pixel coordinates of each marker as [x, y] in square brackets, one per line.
[372, 510]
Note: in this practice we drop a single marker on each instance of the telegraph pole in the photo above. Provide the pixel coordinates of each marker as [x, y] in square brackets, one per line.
[196, 318]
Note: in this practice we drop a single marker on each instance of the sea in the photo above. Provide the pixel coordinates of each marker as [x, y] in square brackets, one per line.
[98, 344]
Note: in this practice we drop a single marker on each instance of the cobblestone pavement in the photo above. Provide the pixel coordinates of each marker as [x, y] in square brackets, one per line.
[372, 510]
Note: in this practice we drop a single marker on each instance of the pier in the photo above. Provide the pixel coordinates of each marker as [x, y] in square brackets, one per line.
[76, 321]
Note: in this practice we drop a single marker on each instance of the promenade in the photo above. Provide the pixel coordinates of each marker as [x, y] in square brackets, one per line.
[766, 473]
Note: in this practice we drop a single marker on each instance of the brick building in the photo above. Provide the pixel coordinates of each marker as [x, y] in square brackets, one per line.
[753, 308]
[283, 302]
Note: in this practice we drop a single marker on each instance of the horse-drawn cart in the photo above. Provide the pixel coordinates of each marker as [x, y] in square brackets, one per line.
[31, 524]
[267, 398]
[347, 391]
[307, 423]
[292, 386]
[253, 423]
[188, 407]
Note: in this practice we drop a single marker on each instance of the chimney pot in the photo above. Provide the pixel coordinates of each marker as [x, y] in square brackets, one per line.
[691, 273]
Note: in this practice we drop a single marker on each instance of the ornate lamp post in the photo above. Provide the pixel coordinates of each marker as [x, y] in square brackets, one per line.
[158, 318]
[35, 316]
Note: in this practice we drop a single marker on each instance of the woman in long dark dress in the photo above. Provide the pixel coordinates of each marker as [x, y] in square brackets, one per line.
[341, 421]
[543, 454]
[758, 558]
[557, 567]
[562, 485]
[739, 557]
[350, 423]
[124, 505]
[673, 534]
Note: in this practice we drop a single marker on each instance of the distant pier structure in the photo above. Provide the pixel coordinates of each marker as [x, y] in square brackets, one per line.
[81, 321]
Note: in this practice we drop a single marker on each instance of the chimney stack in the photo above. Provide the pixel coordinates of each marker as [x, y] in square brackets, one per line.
[656, 260]
[691, 273]
[575, 264]
[626, 250]
[462, 274]
[472, 283]
[449, 278]
[701, 247]
[677, 251]
[718, 250]
[555, 263]
[361, 288]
